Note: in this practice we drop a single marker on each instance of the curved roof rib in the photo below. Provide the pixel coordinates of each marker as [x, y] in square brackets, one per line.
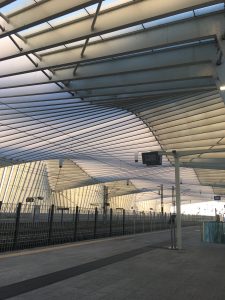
[94, 82]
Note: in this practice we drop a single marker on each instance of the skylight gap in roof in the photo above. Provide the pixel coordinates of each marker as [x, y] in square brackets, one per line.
[112, 3]
[169, 19]
[209, 9]
[122, 31]
[107, 4]
[71, 17]
[18, 5]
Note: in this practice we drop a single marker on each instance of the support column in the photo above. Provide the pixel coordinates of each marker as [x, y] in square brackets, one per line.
[51, 217]
[95, 222]
[105, 203]
[161, 193]
[17, 224]
[76, 224]
[110, 222]
[123, 221]
[173, 199]
[178, 202]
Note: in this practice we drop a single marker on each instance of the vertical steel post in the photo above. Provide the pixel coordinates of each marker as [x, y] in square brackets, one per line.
[134, 221]
[17, 224]
[95, 223]
[61, 216]
[110, 222]
[49, 213]
[154, 225]
[34, 213]
[161, 193]
[143, 221]
[171, 232]
[150, 221]
[165, 219]
[105, 203]
[0, 207]
[51, 216]
[178, 201]
[123, 221]
[173, 201]
[75, 224]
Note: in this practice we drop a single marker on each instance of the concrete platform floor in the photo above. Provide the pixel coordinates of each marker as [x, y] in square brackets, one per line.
[130, 267]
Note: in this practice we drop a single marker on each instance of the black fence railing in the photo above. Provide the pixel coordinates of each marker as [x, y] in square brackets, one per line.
[28, 225]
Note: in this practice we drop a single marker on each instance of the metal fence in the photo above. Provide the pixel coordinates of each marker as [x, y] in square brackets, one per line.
[28, 225]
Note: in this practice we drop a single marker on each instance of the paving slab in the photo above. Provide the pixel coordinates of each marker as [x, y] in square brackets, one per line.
[129, 267]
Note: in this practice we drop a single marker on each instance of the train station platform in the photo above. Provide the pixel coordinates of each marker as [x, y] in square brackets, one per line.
[130, 267]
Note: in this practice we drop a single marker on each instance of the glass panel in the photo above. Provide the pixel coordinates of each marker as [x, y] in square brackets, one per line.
[16, 6]
[68, 18]
[122, 32]
[43, 88]
[92, 8]
[112, 3]
[75, 44]
[209, 9]
[50, 50]
[15, 65]
[35, 29]
[169, 19]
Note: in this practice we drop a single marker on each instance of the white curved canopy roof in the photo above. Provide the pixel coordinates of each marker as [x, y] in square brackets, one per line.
[94, 82]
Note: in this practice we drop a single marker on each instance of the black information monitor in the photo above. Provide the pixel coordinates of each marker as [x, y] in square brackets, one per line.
[152, 159]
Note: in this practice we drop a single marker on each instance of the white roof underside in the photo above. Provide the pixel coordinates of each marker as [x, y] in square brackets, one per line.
[94, 84]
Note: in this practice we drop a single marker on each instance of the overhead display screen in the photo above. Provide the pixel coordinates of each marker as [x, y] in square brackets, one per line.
[152, 159]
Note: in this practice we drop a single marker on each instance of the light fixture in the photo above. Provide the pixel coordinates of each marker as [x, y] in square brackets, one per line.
[222, 88]
[61, 163]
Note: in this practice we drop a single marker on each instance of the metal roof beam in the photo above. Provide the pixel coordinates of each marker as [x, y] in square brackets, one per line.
[196, 165]
[144, 61]
[142, 77]
[196, 71]
[182, 153]
[150, 87]
[42, 12]
[215, 185]
[115, 19]
[177, 57]
[114, 99]
[169, 37]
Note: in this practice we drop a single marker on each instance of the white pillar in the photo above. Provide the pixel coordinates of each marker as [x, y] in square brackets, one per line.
[178, 205]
